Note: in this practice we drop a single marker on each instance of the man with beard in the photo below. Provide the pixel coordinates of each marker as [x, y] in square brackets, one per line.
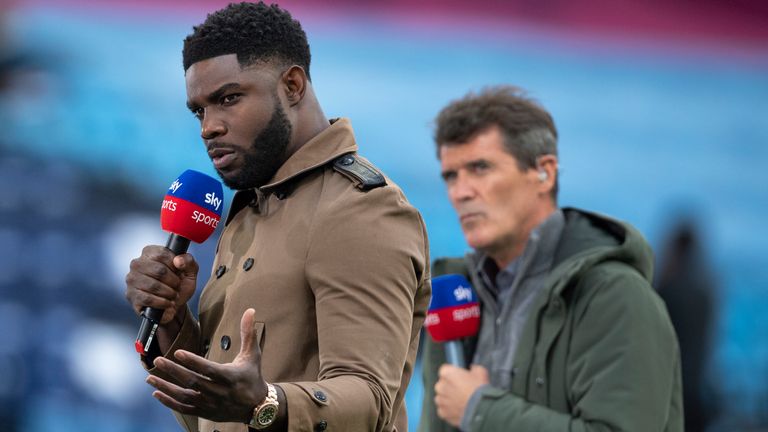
[322, 267]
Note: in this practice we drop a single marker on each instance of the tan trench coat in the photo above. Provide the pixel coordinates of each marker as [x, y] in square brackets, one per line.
[339, 279]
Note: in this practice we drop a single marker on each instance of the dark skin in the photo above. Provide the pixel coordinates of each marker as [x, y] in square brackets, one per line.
[200, 386]
[233, 104]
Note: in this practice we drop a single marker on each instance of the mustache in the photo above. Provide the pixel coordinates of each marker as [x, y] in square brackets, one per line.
[210, 147]
[464, 210]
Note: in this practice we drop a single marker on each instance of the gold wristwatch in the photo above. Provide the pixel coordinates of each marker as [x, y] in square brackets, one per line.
[265, 413]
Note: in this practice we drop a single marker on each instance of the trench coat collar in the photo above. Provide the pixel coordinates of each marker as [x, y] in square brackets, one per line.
[336, 140]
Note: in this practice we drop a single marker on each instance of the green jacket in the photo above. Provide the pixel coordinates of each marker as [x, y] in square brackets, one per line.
[598, 352]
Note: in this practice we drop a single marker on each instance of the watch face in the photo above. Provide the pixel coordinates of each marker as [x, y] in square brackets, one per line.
[266, 415]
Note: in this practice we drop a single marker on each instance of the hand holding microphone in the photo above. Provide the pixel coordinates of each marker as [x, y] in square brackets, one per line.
[163, 279]
[454, 313]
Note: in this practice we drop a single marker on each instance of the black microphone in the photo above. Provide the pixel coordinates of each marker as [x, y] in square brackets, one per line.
[151, 316]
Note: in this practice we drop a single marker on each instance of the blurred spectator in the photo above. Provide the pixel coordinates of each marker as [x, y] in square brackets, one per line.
[13, 61]
[687, 285]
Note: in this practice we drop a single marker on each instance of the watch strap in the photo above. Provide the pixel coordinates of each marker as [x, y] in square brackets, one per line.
[265, 413]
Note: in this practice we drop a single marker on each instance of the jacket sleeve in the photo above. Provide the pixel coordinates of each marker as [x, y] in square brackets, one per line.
[188, 339]
[367, 268]
[623, 370]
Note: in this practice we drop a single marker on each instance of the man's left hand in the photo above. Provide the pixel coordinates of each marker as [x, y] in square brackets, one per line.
[454, 387]
[218, 392]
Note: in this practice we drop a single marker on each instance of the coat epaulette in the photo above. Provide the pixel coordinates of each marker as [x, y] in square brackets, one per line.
[363, 174]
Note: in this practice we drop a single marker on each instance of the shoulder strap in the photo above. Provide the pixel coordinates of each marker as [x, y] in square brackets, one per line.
[361, 172]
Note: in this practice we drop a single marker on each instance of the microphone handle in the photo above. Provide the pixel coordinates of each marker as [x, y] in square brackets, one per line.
[150, 317]
[454, 353]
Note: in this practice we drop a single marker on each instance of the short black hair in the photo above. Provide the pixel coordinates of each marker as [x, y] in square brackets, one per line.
[527, 128]
[252, 31]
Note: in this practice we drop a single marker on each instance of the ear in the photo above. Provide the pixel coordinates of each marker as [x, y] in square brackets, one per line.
[547, 172]
[294, 83]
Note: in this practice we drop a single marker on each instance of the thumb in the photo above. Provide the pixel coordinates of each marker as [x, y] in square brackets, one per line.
[187, 269]
[479, 371]
[249, 345]
[186, 265]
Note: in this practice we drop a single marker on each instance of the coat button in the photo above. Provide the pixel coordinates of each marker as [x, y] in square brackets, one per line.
[321, 426]
[320, 396]
[539, 381]
[248, 264]
[225, 342]
[220, 271]
[349, 160]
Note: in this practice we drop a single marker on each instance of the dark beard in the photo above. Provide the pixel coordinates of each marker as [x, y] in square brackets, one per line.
[266, 155]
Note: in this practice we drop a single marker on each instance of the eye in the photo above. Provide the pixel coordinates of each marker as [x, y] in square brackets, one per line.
[479, 167]
[230, 99]
[448, 176]
[197, 112]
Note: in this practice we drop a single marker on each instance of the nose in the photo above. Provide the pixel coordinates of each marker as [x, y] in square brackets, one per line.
[211, 127]
[461, 189]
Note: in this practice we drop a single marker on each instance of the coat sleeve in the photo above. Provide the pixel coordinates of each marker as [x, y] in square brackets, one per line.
[623, 370]
[367, 268]
[188, 339]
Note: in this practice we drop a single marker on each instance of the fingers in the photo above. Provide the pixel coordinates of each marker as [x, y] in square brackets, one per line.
[189, 392]
[182, 376]
[173, 404]
[442, 406]
[452, 391]
[191, 368]
[249, 345]
[158, 279]
[157, 253]
[172, 393]
[219, 392]
[444, 377]
[151, 280]
[447, 370]
[449, 377]
[143, 290]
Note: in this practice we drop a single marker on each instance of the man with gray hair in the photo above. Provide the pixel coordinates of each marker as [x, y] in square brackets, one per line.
[572, 335]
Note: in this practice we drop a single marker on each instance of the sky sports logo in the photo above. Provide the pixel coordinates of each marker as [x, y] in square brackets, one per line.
[192, 206]
[209, 220]
[169, 205]
[463, 293]
[175, 186]
[198, 216]
[210, 198]
[456, 314]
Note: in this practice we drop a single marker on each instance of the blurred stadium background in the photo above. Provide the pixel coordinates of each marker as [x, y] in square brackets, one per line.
[662, 108]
